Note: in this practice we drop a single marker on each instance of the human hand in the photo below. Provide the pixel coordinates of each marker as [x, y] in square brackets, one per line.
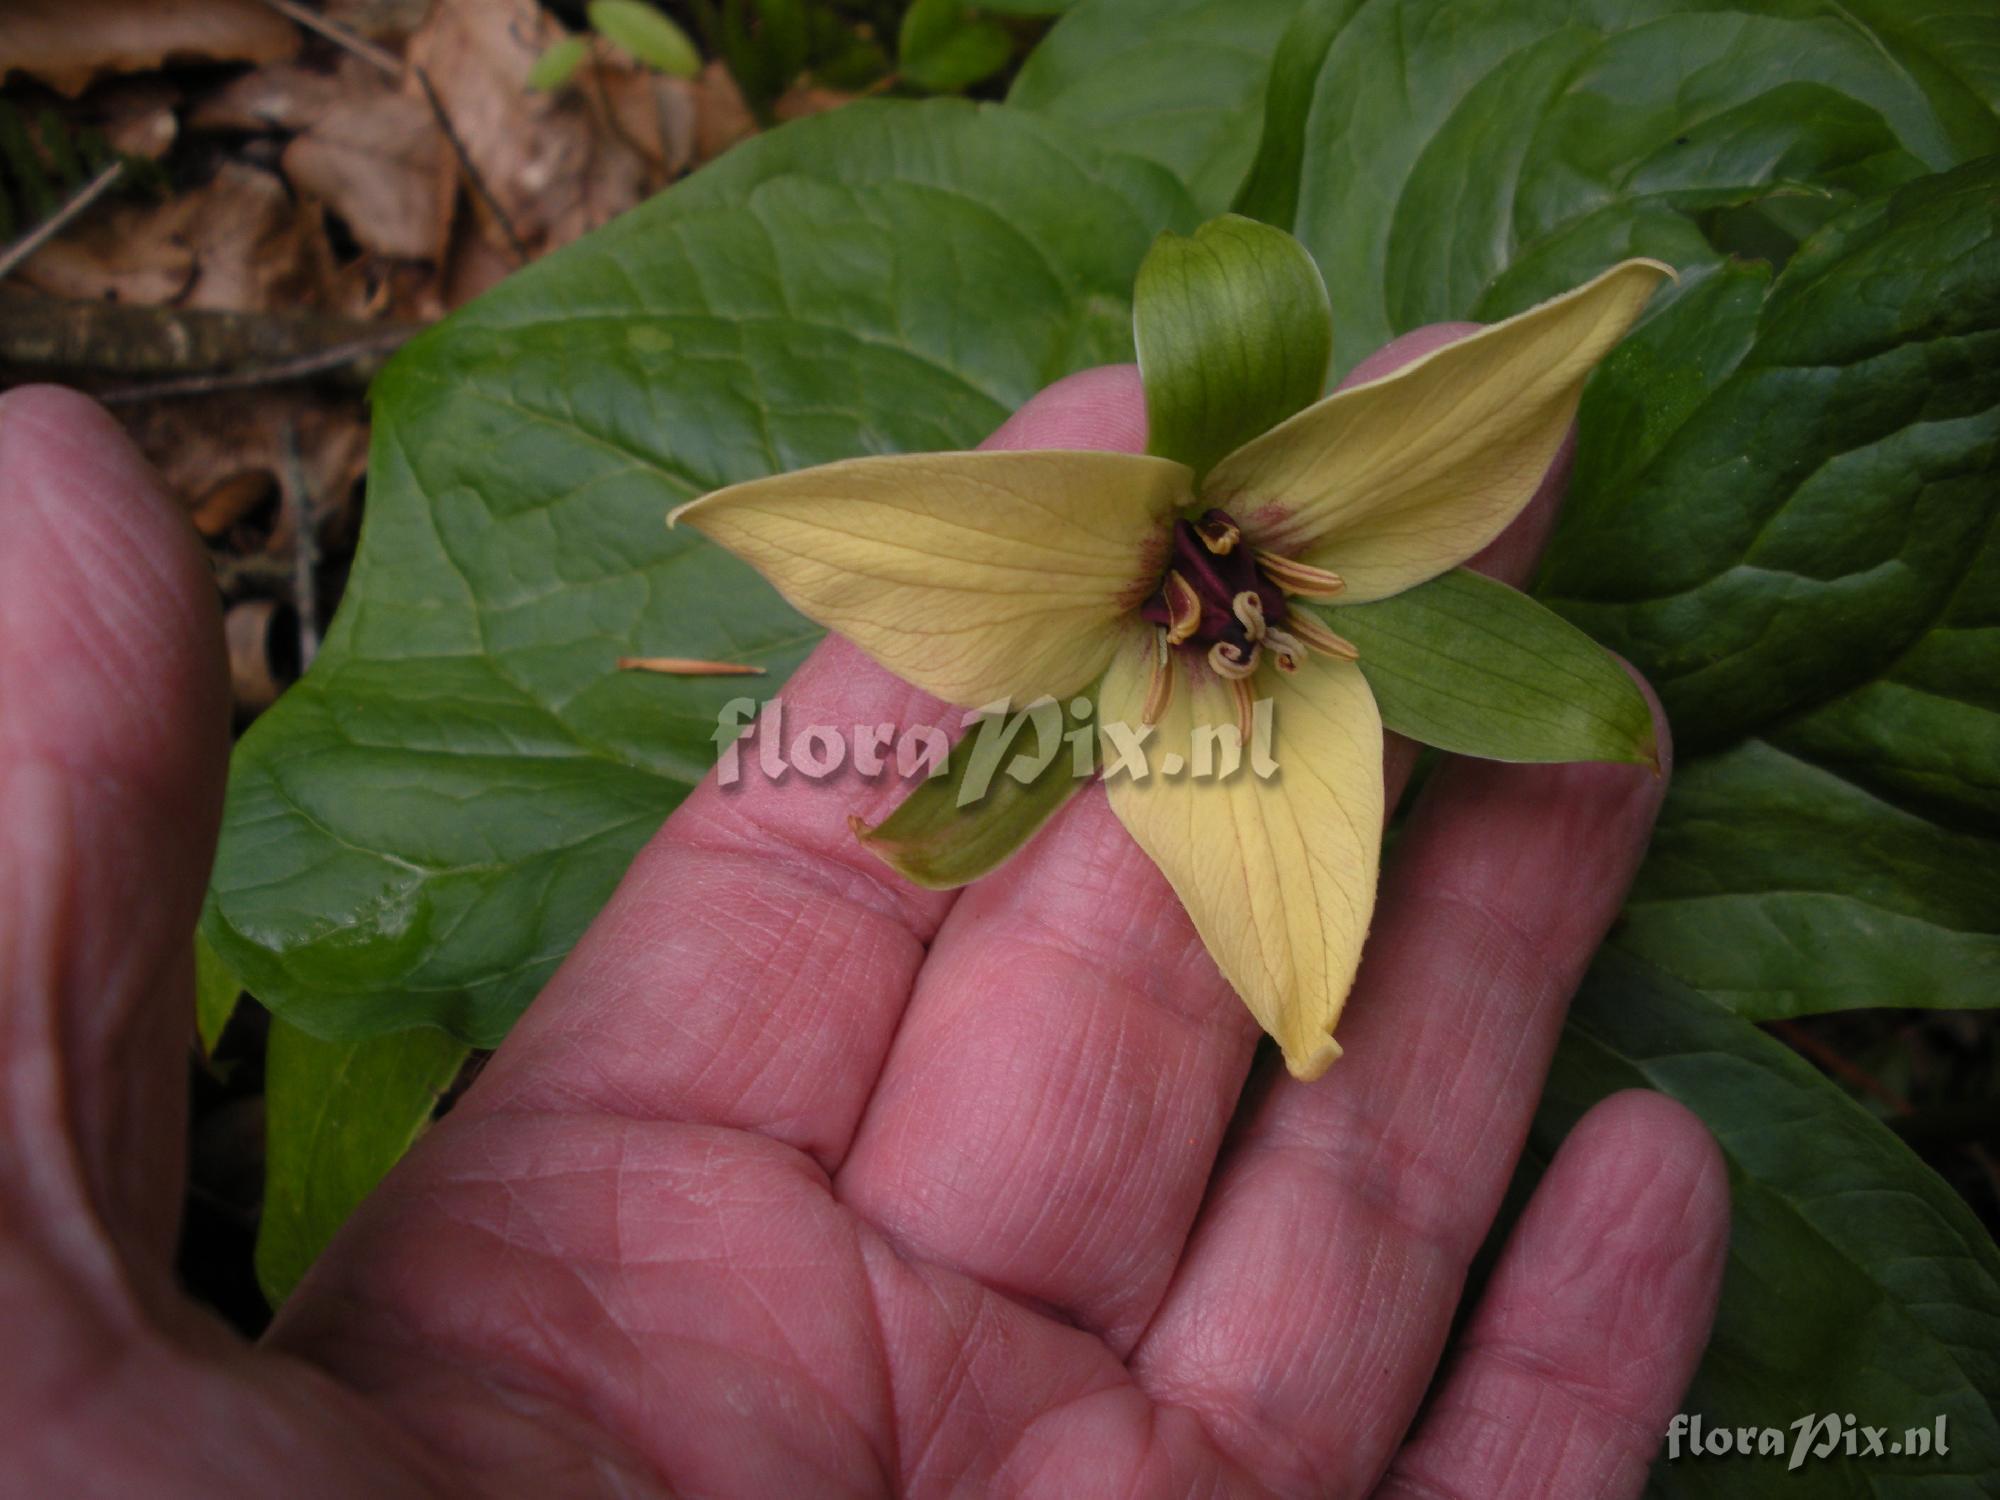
[799, 1181]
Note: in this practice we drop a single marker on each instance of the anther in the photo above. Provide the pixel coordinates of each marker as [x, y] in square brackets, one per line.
[1307, 627]
[1285, 649]
[1160, 691]
[1246, 707]
[1295, 577]
[1183, 609]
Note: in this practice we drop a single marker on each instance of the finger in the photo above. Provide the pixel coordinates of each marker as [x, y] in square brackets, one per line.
[1316, 1294]
[756, 959]
[113, 738]
[1050, 1112]
[1594, 1320]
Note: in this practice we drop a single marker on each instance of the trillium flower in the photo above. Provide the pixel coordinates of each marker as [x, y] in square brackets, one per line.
[1181, 593]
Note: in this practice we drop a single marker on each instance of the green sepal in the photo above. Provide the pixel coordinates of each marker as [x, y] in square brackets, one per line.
[1234, 334]
[642, 30]
[1001, 783]
[216, 991]
[1477, 668]
[337, 1117]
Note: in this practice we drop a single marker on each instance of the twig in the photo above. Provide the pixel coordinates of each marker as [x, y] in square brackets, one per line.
[317, 363]
[472, 172]
[1802, 1040]
[334, 32]
[305, 543]
[116, 339]
[687, 667]
[54, 225]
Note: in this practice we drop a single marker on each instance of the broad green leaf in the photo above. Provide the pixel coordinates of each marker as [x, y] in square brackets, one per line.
[1797, 503]
[1779, 888]
[558, 64]
[946, 46]
[419, 830]
[1008, 776]
[1475, 667]
[1444, 160]
[337, 1116]
[1178, 81]
[1857, 1281]
[1026, 7]
[644, 31]
[216, 991]
[1233, 336]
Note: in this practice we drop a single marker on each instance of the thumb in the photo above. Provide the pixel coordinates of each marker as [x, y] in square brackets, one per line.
[113, 739]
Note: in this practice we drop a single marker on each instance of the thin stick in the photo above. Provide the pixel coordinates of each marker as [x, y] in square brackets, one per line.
[471, 172]
[334, 32]
[50, 227]
[316, 363]
[683, 666]
[1802, 1040]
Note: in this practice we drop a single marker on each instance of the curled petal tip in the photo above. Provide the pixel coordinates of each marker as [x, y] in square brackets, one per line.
[1308, 1066]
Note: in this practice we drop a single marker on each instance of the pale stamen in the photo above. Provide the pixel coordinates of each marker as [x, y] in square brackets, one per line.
[1285, 649]
[1160, 691]
[1295, 577]
[1183, 609]
[1246, 707]
[1308, 629]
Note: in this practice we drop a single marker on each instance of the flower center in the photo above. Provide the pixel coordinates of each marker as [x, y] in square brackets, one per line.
[1224, 602]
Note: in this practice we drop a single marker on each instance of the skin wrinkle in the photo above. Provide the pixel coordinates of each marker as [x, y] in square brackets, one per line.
[673, 1303]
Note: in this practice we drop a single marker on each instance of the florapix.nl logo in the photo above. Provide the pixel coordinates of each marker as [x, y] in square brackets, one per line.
[995, 739]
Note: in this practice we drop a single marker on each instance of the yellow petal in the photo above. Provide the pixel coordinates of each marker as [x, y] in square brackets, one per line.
[1278, 874]
[1396, 481]
[975, 576]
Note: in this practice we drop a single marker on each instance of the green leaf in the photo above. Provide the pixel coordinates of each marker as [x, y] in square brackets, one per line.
[1178, 81]
[1472, 666]
[216, 991]
[945, 46]
[1444, 160]
[420, 829]
[337, 1116]
[558, 64]
[1026, 7]
[1233, 336]
[1007, 777]
[1779, 888]
[1785, 513]
[1857, 1281]
[1804, 505]
[646, 33]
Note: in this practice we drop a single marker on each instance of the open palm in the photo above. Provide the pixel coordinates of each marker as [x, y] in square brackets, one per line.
[799, 1181]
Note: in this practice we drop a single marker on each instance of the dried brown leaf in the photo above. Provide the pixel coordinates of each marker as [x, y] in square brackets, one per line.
[237, 244]
[283, 96]
[378, 159]
[66, 43]
[555, 164]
